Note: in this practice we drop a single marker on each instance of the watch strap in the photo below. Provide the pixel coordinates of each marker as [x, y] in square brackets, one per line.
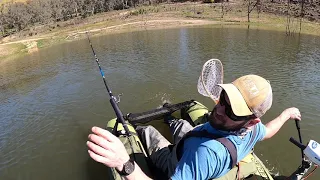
[125, 168]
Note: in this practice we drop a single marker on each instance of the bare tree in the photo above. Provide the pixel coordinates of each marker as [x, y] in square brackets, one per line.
[116, 4]
[289, 30]
[77, 6]
[15, 16]
[251, 5]
[259, 7]
[301, 13]
[57, 7]
[222, 8]
[41, 11]
[18, 15]
[89, 7]
[2, 20]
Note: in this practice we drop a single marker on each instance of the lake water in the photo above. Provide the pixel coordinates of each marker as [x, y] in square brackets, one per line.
[50, 99]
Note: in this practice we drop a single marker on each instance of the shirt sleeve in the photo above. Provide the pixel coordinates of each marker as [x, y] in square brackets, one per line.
[261, 131]
[197, 163]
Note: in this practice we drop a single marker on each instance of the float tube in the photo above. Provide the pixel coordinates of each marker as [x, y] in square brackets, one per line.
[192, 111]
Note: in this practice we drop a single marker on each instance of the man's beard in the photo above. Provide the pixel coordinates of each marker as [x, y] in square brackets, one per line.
[222, 125]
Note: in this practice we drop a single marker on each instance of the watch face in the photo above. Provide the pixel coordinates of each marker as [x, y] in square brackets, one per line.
[128, 167]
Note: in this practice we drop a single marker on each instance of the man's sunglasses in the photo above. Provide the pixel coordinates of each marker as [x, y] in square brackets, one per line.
[229, 112]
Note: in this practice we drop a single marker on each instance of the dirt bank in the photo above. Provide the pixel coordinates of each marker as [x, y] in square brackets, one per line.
[13, 45]
[145, 18]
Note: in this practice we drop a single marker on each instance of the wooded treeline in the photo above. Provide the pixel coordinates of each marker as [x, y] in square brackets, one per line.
[16, 16]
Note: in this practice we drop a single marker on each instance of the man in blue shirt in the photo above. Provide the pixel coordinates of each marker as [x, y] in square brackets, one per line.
[236, 118]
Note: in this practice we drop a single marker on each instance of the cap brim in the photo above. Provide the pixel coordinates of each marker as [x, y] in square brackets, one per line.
[238, 104]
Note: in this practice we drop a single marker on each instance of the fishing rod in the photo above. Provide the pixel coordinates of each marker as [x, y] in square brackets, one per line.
[113, 99]
[114, 103]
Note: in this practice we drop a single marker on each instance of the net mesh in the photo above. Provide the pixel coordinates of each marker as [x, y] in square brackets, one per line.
[211, 75]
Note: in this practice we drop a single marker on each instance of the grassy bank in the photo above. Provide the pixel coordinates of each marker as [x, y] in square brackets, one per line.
[12, 50]
[146, 18]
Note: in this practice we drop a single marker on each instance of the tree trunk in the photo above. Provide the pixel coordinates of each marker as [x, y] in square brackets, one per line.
[258, 7]
[2, 29]
[288, 19]
[222, 8]
[301, 14]
[249, 10]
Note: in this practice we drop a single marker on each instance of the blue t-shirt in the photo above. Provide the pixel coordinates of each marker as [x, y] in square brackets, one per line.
[204, 158]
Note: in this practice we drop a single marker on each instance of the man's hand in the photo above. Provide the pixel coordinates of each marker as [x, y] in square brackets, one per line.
[273, 126]
[291, 113]
[106, 148]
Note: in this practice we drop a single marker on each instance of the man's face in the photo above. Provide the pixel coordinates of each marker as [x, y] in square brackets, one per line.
[221, 120]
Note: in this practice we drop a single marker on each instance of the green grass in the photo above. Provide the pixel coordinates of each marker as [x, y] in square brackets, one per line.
[13, 50]
[42, 43]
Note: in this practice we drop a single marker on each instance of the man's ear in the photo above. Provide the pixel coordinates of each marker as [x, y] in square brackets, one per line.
[252, 122]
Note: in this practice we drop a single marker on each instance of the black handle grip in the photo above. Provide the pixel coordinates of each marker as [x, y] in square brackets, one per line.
[295, 142]
[119, 115]
[297, 124]
[148, 116]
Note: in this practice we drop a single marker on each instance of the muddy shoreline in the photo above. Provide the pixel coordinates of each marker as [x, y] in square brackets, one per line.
[123, 21]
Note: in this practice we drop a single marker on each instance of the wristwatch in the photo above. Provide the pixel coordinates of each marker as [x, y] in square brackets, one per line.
[127, 169]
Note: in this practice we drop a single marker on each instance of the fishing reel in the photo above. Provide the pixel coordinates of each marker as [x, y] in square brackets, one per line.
[311, 151]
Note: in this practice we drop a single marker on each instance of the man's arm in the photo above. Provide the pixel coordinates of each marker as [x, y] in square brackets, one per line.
[106, 148]
[273, 126]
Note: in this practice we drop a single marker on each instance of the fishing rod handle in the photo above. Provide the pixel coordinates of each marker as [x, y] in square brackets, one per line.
[119, 115]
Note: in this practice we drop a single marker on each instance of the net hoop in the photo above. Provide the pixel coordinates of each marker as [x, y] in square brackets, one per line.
[211, 76]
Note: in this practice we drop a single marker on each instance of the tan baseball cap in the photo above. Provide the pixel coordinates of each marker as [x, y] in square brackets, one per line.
[250, 94]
